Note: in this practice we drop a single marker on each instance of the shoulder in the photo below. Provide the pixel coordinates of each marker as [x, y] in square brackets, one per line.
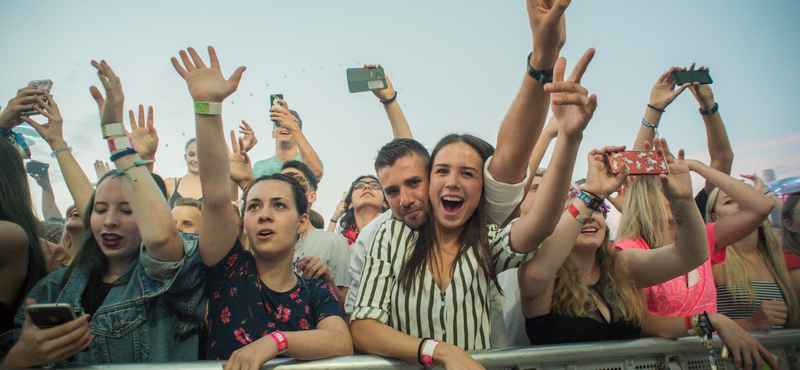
[792, 260]
[637, 243]
[14, 237]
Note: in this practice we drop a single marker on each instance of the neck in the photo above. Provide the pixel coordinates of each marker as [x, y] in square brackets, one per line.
[309, 228]
[285, 150]
[115, 270]
[276, 271]
[447, 238]
[748, 245]
[586, 261]
[364, 215]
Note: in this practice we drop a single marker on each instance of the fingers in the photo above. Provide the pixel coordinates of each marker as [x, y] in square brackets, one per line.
[132, 119]
[237, 75]
[691, 67]
[683, 87]
[557, 11]
[198, 62]
[559, 70]
[212, 55]
[246, 126]
[186, 61]
[150, 117]
[580, 67]
[241, 151]
[234, 143]
[141, 123]
[768, 357]
[98, 97]
[178, 68]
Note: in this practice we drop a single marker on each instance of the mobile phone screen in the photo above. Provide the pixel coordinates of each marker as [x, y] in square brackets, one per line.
[700, 76]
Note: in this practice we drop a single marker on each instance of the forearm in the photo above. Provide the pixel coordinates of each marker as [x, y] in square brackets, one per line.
[77, 182]
[719, 146]
[372, 337]
[672, 327]
[748, 198]
[397, 120]
[646, 133]
[691, 241]
[49, 206]
[550, 196]
[307, 154]
[318, 343]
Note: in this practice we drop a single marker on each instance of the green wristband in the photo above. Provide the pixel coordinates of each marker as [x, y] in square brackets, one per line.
[204, 107]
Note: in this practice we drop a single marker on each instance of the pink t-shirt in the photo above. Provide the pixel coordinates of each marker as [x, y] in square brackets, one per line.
[676, 297]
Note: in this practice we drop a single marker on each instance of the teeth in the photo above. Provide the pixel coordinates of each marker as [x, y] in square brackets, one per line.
[589, 230]
[451, 199]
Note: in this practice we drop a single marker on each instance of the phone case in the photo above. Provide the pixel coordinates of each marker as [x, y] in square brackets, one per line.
[365, 79]
[44, 85]
[640, 162]
[50, 315]
[700, 76]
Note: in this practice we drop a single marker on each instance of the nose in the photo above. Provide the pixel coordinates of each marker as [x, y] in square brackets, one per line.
[406, 199]
[451, 181]
[265, 215]
[111, 219]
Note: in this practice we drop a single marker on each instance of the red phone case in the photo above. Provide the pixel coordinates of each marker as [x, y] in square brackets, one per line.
[640, 162]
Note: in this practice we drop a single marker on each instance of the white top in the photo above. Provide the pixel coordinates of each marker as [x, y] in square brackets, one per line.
[331, 248]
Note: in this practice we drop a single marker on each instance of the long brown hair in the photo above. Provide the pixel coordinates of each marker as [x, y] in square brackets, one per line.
[791, 240]
[474, 235]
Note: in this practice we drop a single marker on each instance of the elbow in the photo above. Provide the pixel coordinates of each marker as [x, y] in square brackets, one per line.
[360, 334]
[347, 346]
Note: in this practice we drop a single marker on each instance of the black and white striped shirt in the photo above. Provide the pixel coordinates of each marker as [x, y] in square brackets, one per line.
[738, 306]
[459, 315]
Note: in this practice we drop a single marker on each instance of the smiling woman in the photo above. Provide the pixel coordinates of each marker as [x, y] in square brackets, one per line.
[187, 186]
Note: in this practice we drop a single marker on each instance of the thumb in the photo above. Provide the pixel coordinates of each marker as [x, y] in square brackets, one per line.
[237, 75]
[98, 96]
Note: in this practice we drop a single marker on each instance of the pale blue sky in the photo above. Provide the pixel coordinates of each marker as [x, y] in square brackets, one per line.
[457, 67]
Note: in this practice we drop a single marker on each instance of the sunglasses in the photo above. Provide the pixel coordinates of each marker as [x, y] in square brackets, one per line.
[362, 184]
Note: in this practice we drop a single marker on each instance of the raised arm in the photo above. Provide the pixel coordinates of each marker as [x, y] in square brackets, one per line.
[523, 123]
[49, 206]
[78, 184]
[150, 209]
[397, 119]
[144, 136]
[240, 165]
[536, 275]
[573, 108]
[663, 263]
[754, 207]
[719, 147]
[661, 95]
[283, 115]
[218, 229]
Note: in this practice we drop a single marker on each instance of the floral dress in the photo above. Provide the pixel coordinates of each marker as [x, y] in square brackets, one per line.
[242, 309]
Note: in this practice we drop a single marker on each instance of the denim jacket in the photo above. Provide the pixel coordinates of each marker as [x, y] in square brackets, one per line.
[155, 317]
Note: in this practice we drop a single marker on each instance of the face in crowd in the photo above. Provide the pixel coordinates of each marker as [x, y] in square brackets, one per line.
[405, 186]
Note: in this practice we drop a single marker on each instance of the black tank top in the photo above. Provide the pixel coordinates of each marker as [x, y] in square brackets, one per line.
[554, 328]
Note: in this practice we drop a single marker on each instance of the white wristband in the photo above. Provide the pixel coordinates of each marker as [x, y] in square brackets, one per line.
[119, 143]
[112, 129]
[427, 352]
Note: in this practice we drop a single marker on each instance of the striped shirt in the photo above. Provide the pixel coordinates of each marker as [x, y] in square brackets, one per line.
[737, 305]
[459, 315]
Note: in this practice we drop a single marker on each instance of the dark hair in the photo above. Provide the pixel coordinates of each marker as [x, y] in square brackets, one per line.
[349, 217]
[297, 191]
[791, 240]
[299, 121]
[90, 257]
[399, 148]
[474, 235]
[312, 179]
[189, 142]
[316, 219]
[16, 207]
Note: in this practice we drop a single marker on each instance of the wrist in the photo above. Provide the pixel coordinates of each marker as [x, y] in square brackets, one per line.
[57, 143]
[541, 60]
[706, 104]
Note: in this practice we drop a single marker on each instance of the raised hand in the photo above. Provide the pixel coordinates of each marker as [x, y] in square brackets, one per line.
[42, 179]
[678, 183]
[101, 168]
[25, 100]
[284, 117]
[384, 94]
[249, 136]
[143, 136]
[599, 178]
[206, 83]
[52, 131]
[573, 107]
[702, 92]
[241, 167]
[549, 29]
[111, 107]
[758, 183]
[663, 92]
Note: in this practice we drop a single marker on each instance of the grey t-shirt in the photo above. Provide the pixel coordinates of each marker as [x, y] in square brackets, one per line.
[330, 248]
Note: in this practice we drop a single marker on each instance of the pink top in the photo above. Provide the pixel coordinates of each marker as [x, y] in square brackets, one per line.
[792, 260]
[685, 295]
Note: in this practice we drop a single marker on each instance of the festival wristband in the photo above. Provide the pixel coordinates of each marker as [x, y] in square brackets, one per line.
[582, 218]
[112, 129]
[280, 341]
[204, 107]
[124, 171]
[592, 201]
[427, 352]
[119, 144]
[123, 153]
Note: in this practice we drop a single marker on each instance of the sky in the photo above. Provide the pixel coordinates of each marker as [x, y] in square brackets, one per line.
[456, 65]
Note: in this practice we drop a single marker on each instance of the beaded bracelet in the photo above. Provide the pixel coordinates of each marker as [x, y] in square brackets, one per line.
[59, 150]
[125, 170]
[662, 110]
[123, 153]
[711, 111]
[385, 101]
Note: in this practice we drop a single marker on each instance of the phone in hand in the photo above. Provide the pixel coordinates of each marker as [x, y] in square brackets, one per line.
[365, 79]
[43, 85]
[48, 315]
[36, 168]
[700, 76]
[640, 162]
[273, 102]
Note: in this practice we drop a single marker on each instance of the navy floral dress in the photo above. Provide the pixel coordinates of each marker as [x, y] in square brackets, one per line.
[242, 309]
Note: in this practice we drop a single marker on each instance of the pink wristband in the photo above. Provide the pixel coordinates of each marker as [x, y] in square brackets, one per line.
[280, 341]
[427, 352]
[119, 143]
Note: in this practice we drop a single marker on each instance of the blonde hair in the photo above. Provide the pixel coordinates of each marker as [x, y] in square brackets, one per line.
[769, 250]
[571, 297]
[643, 213]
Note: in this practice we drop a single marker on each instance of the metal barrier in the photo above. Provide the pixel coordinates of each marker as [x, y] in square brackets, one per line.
[642, 354]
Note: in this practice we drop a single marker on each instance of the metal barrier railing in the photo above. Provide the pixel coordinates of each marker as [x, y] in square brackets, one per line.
[642, 354]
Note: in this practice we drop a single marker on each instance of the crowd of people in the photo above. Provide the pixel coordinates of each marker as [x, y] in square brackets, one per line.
[433, 255]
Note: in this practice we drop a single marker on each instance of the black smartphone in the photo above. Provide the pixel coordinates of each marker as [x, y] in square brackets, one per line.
[44, 85]
[48, 315]
[365, 79]
[700, 75]
[273, 102]
[36, 168]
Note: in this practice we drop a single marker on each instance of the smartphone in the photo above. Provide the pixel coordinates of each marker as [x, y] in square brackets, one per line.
[44, 85]
[273, 102]
[727, 357]
[700, 75]
[365, 79]
[640, 162]
[36, 168]
[48, 315]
